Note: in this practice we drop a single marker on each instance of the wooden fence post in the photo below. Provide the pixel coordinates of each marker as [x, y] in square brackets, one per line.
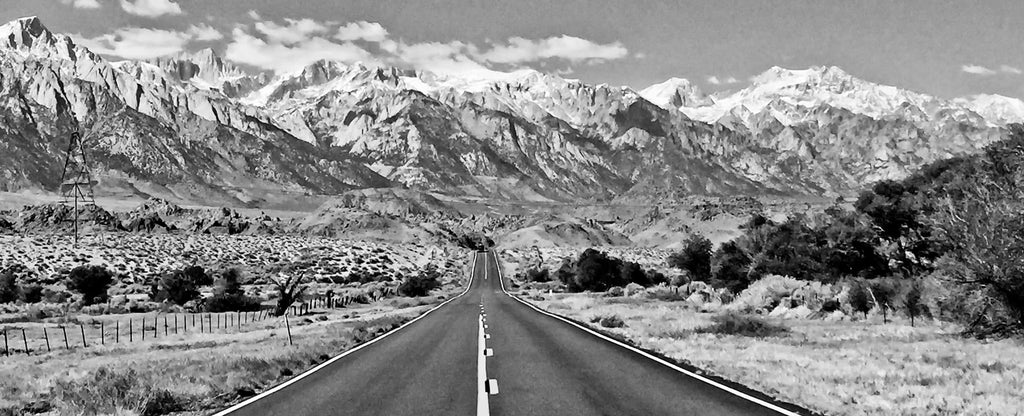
[117, 332]
[175, 324]
[131, 337]
[24, 338]
[64, 329]
[156, 325]
[165, 325]
[103, 340]
[7, 350]
[47, 337]
[288, 327]
[82, 328]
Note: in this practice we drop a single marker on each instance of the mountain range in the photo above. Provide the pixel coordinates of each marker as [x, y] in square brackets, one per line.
[195, 127]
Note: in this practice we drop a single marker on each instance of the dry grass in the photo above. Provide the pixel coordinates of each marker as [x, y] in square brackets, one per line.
[838, 368]
[192, 373]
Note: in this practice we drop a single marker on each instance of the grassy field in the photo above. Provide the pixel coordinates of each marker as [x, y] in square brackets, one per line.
[194, 373]
[835, 367]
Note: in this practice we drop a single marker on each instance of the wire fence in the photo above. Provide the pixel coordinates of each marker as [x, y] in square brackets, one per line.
[46, 338]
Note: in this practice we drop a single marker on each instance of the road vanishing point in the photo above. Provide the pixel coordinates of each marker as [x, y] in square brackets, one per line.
[486, 352]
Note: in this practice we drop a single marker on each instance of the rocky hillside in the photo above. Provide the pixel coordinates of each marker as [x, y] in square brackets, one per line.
[195, 127]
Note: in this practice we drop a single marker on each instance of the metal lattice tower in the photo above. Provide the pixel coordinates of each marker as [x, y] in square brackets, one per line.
[76, 181]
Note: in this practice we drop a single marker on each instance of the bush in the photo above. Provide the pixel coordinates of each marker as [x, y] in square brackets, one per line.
[8, 287]
[181, 286]
[422, 283]
[31, 293]
[612, 322]
[860, 296]
[766, 293]
[91, 282]
[743, 325]
[695, 257]
[228, 295]
[730, 268]
[539, 275]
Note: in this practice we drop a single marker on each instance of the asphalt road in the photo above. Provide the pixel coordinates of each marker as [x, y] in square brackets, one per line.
[541, 365]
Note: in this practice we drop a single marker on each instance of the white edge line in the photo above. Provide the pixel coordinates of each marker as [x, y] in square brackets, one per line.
[305, 374]
[501, 279]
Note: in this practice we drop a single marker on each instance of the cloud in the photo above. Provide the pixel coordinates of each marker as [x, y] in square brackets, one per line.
[715, 80]
[151, 8]
[452, 58]
[1006, 69]
[521, 50]
[82, 4]
[977, 70]
[362, 30]
[137, 42]
[204, 33]
[279, 57]
[294, 31]
[254, 15]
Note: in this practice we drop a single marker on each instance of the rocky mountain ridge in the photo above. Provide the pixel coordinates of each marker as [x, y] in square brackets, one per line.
[194, 126]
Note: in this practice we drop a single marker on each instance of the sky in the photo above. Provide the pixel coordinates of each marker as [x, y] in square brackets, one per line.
[941, 47]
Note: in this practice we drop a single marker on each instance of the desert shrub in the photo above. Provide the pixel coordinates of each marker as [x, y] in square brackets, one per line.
[612, 321]
[181, 286]
[8, 287]
[743, 325]
[420, 284]
[616, 291]
[537, 275]
[766, 293]
[228, 295]
[91, 282]
[632, 289]
[103, 392]
[665, 292]
[55, 296]
[695, 257]
[31, 293]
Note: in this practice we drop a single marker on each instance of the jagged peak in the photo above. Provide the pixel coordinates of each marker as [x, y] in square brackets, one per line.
[23, 32]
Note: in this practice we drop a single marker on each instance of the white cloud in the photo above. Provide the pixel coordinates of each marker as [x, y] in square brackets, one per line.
[276, 56]
[362, 30]
[151, 8]
[1007, 69]
[204, 33]
[82, 4]
[295, 31]
[520, 50]
[443, 58]
[136, 42]
[715, 80]
[977, 70]
[254, 15]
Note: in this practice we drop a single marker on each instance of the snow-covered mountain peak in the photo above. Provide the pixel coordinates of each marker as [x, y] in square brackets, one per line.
[996, 108]
[675, 93]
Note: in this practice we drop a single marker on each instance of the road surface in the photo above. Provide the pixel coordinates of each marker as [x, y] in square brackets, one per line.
[538, 365]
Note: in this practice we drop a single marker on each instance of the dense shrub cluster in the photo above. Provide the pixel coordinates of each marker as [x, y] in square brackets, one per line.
[181, 286]
[91, 282]
[597, 271]
[420, 284]
[228, 295]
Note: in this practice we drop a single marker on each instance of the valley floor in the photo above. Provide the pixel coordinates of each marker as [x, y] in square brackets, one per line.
[835, 367]
[194, 373]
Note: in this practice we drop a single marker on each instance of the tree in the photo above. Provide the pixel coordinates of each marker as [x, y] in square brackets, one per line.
[91, 282]
[8, 287]
[912, 303]
[860, 297]
[885, 293]
[695, 258]
[539, 275]
[181, 286]
[731, 268]
[31, 293]
[595, 271]
[420, 284]
[290, 284]
[897, 210]
[632, 272]
[851, 245]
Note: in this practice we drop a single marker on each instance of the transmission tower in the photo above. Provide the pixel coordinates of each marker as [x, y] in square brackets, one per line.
[76, 181]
